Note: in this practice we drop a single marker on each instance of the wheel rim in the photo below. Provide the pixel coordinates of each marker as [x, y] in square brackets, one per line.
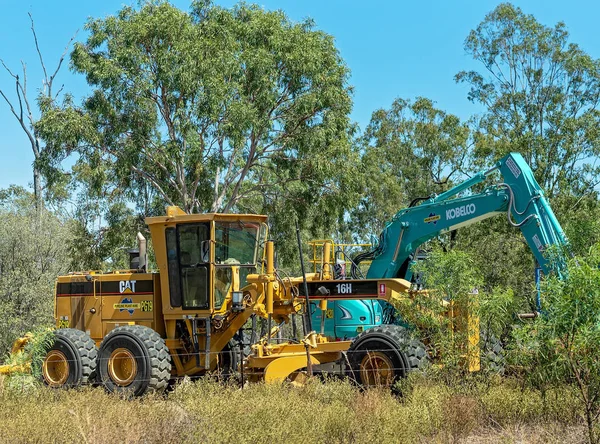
[122, 367]
[55, 368]
[377, 369]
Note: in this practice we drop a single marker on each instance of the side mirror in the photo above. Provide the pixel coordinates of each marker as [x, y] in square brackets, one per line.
[205, 251]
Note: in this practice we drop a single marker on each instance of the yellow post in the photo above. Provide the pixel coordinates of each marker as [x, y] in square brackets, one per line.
[327, 260]
[323, 307]
[270, 274]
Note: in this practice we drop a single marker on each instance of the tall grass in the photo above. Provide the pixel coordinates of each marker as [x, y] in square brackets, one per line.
[335, 411]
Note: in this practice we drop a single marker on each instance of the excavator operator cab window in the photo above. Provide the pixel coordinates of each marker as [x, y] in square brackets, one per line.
[188, 266]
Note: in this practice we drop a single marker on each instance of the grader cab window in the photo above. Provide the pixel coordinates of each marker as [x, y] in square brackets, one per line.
[223, 277]
[236, 243]
[188, 271]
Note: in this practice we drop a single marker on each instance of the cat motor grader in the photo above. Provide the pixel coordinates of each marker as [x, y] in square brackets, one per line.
[136, 331]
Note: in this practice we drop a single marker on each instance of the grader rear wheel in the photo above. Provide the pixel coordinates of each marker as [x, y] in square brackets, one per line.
[71, 360]
[122, 367]
[134, 359]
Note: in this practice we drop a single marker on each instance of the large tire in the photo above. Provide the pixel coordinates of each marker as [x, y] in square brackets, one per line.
[493, 355]
[134, 359]
[381, 355]
[71, 360]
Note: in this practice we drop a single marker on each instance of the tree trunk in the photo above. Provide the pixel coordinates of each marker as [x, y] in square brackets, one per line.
[590, 424]
[37, 189]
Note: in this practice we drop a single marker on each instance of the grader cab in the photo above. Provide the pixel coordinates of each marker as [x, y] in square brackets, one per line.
[135, 331]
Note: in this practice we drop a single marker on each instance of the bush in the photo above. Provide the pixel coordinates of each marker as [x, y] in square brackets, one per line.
[33, 252]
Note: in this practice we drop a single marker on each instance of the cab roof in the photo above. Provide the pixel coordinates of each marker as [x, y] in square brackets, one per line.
[176, 215]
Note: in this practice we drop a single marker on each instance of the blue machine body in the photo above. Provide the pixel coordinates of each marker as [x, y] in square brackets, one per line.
[345, 319]
[518, 196]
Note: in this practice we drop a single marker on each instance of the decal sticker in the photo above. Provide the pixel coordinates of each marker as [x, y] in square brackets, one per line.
[127, 304]
[146, 306]
[127, 286]
[432, 218]
[344, 288]
[381, 289]
[538, 243]
[512, 166]
[464, 210]
[345, 313]
[329, 313]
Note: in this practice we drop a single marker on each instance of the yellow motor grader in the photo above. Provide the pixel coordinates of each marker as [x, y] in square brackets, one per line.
[136, 331]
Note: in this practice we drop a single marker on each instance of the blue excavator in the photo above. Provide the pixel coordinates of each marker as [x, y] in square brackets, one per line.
[518, 196]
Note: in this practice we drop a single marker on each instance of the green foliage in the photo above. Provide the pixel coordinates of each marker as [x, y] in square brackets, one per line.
[212, 110]
[452, 282]
[540, 94]
[562, 344]
[497, 310]
[503, 258]
[411, 150]
[33, 251]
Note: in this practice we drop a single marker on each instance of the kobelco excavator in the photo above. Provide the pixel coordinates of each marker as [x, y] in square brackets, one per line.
[517, 195]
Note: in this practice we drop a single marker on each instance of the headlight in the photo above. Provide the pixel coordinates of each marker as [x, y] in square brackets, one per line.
[237, 301]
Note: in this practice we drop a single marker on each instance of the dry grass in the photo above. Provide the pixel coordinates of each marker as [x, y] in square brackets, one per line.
[335, 411]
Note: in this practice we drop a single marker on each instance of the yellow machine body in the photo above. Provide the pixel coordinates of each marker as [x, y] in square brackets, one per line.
[96, 302]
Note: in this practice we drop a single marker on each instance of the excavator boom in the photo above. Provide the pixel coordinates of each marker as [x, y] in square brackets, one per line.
[519, 196]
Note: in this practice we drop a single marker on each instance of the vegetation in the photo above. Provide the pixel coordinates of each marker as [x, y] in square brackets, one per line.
[562, 344]
[206, 411]
[34, 249]
[242, 110]
[213, 110]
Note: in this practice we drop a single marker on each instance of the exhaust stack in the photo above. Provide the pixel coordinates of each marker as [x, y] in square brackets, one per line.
[142, 251]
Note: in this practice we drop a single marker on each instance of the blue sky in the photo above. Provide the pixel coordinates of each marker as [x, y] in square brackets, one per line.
[393, 49]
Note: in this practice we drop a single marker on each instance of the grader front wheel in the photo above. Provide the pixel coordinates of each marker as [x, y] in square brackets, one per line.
[55, 369]
[380, 356]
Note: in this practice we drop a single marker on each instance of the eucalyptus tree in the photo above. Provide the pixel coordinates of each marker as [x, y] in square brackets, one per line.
[540, 95]
[22, 105]
[212, 110]
[201, 107]
[409, 151]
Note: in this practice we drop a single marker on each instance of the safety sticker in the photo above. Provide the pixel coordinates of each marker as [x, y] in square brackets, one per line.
[127, 304]
[432, 218]
[512, 166]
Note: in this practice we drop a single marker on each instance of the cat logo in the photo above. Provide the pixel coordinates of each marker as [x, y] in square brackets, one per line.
[127, 286]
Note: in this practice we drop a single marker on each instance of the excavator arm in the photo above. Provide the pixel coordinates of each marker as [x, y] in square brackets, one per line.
[518, 195]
